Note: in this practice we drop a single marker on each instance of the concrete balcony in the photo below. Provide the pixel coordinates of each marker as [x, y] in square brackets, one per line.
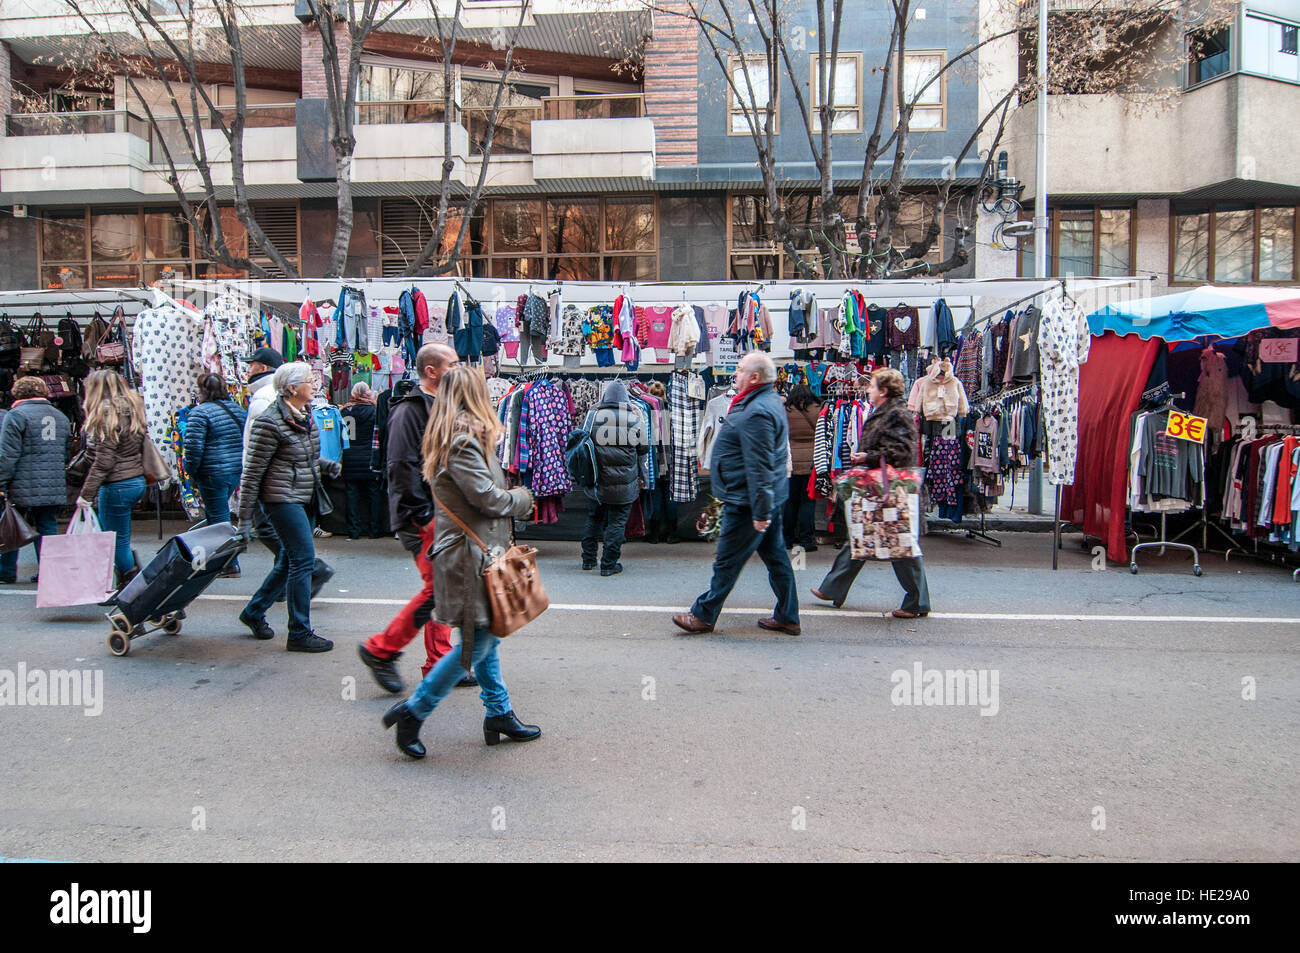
[71, 155]
[1230, 129]
[408, 152]
[621, 150]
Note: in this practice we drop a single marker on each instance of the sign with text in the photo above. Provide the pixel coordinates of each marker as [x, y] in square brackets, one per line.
[1279, 350]
[1186, 427]
[725, 355]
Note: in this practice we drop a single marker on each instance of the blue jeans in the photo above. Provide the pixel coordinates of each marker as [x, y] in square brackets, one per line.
[291, 573]
[116, 500]
[215, 489]
[736, 543]
[43, 519]
[442, 678]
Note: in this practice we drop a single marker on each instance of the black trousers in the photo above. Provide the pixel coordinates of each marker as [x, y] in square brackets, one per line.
[365, 508]
[910, 573]
[605, 521]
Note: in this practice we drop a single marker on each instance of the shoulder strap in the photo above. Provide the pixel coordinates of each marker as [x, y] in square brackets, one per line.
[229, 413]
[456, 519]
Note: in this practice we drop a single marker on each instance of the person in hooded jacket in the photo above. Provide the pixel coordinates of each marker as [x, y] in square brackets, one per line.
[214, 451]
[365, 504]
[34, 442]
[618, 431]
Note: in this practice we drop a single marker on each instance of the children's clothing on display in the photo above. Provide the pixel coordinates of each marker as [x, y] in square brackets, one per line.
[333, 435]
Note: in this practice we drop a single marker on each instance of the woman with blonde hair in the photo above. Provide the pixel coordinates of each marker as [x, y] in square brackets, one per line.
[469, 492]
[116, 431]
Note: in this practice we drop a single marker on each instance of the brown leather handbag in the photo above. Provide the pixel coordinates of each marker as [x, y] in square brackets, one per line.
[156, 469]
[515, 592]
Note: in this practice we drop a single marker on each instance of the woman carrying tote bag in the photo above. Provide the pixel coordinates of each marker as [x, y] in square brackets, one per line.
[115, 425]
[468, 486]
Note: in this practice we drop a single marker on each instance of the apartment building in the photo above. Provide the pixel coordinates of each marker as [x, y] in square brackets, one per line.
[1194, 185]
[597, 171]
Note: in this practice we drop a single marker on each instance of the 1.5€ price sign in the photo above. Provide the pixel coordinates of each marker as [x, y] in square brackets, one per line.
[1186, 427]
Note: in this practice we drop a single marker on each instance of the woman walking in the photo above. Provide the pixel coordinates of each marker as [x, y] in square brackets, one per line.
[802, 408]
[469, 492]
[282, 471]
[33, 458]
[888, 437]
[365, 501]
[116, 432]
[214, 450]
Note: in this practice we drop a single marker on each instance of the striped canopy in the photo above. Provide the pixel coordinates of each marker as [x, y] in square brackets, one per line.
[1207, 312]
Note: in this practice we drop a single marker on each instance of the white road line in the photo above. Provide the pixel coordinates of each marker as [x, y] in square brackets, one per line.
[821, 613]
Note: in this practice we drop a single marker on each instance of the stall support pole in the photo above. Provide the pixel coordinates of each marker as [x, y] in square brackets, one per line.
[1056, 529]
[1040, 228]
[157, 500]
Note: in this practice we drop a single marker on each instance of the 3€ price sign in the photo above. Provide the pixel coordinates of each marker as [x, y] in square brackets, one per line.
[1186, 427]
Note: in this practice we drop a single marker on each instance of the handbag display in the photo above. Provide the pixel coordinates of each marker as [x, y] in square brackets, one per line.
[59, 386]
[110, 349]
[514, 586]
[15, 533]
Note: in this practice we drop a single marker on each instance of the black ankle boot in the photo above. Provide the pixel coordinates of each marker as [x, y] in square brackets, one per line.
[510, 726]
[408, 730]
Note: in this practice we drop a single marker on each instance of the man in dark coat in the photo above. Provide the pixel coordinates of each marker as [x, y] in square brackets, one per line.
[619, 433]
[750, 479]
[365, 504]
[410, 503]
[34, 442]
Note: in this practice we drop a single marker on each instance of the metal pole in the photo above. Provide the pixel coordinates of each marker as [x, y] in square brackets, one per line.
[1040, 246]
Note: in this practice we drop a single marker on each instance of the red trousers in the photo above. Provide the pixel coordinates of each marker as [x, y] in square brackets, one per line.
[418, 612]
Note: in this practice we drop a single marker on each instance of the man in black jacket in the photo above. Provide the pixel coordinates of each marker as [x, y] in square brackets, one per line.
[410, 503]
[619, 434]
[748, 472]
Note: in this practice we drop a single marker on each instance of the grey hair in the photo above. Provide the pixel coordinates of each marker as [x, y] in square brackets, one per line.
[759, 363]
[289, 376]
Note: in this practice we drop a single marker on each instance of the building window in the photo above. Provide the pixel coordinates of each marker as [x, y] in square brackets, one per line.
[1233, 244]
[573, 238]
[750, 78]
[923, 85]
[1269, 48]
[127, 247]
[1085, 240]
[847, 98]
[1208, 55]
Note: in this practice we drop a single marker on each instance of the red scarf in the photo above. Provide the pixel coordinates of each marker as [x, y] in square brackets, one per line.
[742, 395]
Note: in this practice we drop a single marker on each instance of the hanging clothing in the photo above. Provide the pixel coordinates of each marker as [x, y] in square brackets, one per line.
[350, 320]
[1063, 343]
[684, 463]
[167, 344]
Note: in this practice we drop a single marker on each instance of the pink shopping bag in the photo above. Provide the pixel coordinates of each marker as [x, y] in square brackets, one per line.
[76, 567]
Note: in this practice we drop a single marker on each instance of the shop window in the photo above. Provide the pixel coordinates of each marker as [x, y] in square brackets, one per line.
[914, 214]
[752, 267]
[60, 277]
[1191, 246]
[516, 268]
[630, 268]
[1277, 244]
[516, 226]
[574, 225]
[573, 269]
[923, 84]
[120, 275]
[1269, 48]
[1114, 242]
[63, 235]
[1234, 238]
[629, 224]
[166, 235]
[749, 94]
[1084, 241]
[847, 101]
[115, 236]
[166, 271]
[1209, 55]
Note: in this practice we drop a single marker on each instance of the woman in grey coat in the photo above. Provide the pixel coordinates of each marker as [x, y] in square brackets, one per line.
[282, 471]
[469, 486]
[33, 458]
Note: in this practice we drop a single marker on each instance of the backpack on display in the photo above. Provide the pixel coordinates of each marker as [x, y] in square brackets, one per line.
[580, 456]
[10, 345]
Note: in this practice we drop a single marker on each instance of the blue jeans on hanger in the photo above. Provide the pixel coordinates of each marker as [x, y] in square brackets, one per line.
[116, 500]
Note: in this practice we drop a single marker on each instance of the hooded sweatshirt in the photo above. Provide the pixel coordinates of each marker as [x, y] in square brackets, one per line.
[939, 395]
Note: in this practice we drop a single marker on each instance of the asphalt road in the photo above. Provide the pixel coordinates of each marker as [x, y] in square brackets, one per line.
[1149, 717]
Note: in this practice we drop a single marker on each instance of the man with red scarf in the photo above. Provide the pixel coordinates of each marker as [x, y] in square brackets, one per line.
[749, 477]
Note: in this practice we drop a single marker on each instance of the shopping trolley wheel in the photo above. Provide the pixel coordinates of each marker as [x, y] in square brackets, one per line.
[172, 626]
[1133, 568]
[1196, 571]
[119, 643]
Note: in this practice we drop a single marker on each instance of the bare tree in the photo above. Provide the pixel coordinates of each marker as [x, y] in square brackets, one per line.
[1102, 46]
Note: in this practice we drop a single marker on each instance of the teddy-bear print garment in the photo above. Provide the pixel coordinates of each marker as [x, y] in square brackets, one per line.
[166, 345]
[1063, 343]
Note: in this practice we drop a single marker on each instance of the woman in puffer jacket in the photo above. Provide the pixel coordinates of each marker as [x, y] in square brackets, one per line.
[214, 450]
[888, 437]
[282, 471]
[618, 431]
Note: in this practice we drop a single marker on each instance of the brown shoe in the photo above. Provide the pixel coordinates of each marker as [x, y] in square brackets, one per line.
[773, 626]
[904, 614]
[825, 598]
[691, 624]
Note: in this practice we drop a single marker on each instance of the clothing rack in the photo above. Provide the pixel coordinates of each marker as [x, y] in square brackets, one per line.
[1164, 542]
[1254, 552]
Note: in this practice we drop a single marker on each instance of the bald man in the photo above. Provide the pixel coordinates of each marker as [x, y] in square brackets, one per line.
[411, 507]
[748, 472]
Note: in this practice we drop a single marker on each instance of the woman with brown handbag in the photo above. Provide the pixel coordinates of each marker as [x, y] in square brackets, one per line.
[470, 499]
[115, 424]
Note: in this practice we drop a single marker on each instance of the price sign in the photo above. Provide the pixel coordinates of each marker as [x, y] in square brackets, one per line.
[851, 239]
[1186, 427]
[1279, 350]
